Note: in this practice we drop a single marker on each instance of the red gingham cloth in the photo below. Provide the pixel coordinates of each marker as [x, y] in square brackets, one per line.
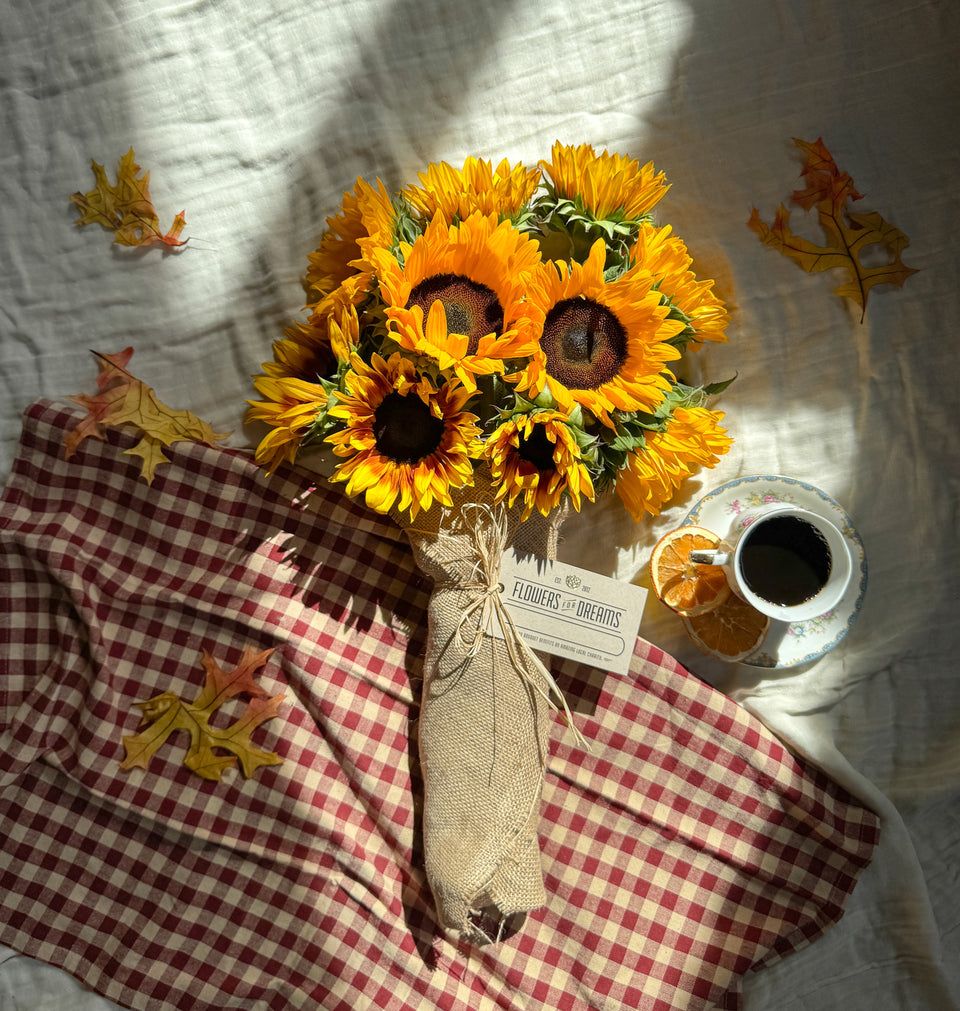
[688, 848]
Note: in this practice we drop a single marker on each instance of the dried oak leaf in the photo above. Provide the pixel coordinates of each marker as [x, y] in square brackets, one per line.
[125, 208]
[124, 399]
[848, 234]
[167, 712]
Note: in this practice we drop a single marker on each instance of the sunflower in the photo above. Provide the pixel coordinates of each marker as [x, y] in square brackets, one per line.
[457, 193]
[343, 331]
[537, 455]
[301, 359]
[365, 214]
[457, 291]
[666, 257]
[609, 185]
[602, 345]
[291, 408]
[693, 438]
[313, 351]
[404, 442]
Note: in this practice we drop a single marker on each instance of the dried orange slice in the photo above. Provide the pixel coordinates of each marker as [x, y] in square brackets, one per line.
[689, 588]
[731, 631]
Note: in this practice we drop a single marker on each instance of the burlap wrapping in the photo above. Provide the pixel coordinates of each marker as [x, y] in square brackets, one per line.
[485, 718]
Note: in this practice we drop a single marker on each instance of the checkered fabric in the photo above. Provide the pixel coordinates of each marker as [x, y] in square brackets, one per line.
[688, 848]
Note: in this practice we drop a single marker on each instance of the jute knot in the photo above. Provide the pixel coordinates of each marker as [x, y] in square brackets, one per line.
[490, 541]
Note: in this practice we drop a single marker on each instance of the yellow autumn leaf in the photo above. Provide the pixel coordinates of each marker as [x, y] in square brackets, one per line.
[151, 454]
[125, 400]
[167, 712]
[848, 235]
[125, 207]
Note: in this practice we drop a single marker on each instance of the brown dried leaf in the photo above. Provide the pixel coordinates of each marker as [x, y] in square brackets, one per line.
[848, 235]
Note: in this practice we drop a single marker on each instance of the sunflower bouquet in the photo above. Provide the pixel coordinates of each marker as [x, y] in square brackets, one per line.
[483, 351]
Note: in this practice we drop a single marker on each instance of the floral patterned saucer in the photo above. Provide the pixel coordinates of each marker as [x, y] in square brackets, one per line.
[788, 645]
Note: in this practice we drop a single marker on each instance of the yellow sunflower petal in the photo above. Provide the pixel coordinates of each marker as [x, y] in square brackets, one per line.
[693, 438]
[477, 187]
[665, 257]
[365, 214]
[605, 182]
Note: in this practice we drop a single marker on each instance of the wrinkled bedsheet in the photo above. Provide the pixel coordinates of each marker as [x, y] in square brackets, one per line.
[255, 119]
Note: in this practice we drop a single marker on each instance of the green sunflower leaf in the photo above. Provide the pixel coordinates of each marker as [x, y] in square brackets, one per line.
[619, 266]
[711, 389]
[323, 425]
[682, 395]
[406, 227]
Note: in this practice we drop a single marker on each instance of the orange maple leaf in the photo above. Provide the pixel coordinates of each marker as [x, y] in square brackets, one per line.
[848, 234]
[124, 399]
[167, 712]
[125, 208]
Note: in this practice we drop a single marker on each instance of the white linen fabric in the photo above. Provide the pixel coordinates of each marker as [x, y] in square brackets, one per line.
[256, 117]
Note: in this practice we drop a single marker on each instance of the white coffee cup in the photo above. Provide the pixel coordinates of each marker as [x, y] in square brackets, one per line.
[787, 562]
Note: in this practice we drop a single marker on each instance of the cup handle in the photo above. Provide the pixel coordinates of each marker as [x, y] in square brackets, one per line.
[706, 556]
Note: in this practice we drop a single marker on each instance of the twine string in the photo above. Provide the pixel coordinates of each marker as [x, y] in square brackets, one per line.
[490, 537]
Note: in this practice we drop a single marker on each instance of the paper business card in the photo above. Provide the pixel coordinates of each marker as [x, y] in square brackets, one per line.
[570, 612]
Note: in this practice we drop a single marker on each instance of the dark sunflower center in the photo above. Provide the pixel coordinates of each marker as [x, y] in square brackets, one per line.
[537, 449]
[472, 308]
[404, 429]
[584, 342]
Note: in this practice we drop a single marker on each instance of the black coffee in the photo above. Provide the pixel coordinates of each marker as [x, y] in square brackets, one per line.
[785, 560]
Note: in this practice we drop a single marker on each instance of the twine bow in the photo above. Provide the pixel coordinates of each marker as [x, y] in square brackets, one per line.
[490, 538]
